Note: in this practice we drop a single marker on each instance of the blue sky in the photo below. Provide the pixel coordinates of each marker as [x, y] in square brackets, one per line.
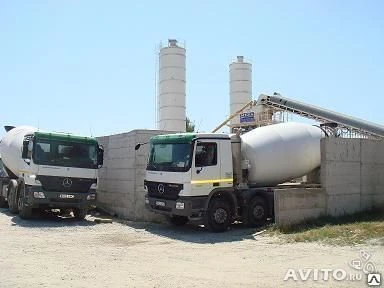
[89, 66]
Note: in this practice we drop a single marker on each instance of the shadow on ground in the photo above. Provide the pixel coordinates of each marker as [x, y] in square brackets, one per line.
[197, 233]
[44, 219]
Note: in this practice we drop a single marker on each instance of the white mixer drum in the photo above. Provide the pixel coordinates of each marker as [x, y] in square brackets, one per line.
[281, 152]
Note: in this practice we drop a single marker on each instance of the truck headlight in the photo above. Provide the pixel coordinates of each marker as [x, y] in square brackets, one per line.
[91, 197]
[93, 186]
[39, 195]
[33, 177]
[180, 205]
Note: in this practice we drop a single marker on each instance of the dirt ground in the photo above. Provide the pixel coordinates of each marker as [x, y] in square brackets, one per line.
[51, 251]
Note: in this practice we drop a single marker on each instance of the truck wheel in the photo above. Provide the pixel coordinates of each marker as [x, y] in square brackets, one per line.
[25, 212]
[80, 213]
[218, 216]
[3, 203]
[256, 213]
[12, 196]
[178, 220]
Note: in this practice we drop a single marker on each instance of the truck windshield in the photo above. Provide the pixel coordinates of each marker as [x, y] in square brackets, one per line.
[65, 153]
[174, 157]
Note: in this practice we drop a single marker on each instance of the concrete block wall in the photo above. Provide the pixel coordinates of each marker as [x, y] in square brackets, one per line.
[295, 205]
[121, 179]
[352, 173]
[352, 180]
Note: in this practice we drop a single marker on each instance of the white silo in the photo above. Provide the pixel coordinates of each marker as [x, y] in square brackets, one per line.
[171, 95]
[240, 87]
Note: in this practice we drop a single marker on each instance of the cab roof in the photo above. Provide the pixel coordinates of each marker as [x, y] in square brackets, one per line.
[65, 137]
[186, 137]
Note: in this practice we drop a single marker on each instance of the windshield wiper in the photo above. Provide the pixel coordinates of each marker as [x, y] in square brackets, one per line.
[152, 166]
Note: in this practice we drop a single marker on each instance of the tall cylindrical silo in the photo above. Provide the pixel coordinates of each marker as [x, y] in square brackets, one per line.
[240, 86]
[171, 101]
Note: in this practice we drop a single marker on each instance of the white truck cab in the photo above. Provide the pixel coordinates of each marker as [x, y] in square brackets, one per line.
[184, 171]
[50, 171]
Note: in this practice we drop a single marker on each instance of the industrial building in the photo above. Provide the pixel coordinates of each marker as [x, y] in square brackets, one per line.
[350, 178]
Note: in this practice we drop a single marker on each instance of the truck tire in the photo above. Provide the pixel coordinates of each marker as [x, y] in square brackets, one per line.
[80, 213]
[12, 196]
[25, 212]
[218, 216]
[178, 220]
[257, 212]
[3, 203]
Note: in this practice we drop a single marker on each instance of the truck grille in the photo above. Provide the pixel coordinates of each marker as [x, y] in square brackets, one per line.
[171, 190]
[65, 200]
[56, 184]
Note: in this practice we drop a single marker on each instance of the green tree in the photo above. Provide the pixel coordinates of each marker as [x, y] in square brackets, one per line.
[189, 125]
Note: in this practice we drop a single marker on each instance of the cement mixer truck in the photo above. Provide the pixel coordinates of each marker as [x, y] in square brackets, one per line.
[49, 171]
[221, 178]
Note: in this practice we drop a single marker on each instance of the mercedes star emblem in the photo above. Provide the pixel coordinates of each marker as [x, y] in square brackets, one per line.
[161, 189]
[67, 182]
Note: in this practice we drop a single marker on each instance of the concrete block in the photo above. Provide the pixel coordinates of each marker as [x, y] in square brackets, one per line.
[342, 190]
[126, 200]
[123, 152]
[313, 176]
[293, 199]
[378, 200]
[341, 175]
[103, 172]
[372, 151]
[141, 160]
[369, 190]
[121, 163]
[102, 184]
[118, 141]
[295, 205]
[121, 174]
[372, 173]
[340, 149]
[338, 205]
[106, 197]
[120, 186]
[366, 202]
[372, 179]
[292, 217]
[140, 173]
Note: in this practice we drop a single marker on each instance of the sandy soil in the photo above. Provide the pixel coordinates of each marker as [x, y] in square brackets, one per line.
[57, 252]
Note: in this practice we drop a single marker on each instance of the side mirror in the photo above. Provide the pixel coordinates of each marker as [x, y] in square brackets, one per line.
[138, 145]
[30, 146]
[100, 156]
[26, 149]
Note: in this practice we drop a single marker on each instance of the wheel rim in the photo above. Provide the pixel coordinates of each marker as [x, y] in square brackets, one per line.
[220, 215]
[11, 199]
[258, 212]
[20, 203]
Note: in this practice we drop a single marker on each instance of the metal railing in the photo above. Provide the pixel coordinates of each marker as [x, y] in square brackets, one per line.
[333, 122]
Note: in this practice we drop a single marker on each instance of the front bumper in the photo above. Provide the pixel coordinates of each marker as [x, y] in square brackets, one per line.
[193, 207]
[62, 199]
